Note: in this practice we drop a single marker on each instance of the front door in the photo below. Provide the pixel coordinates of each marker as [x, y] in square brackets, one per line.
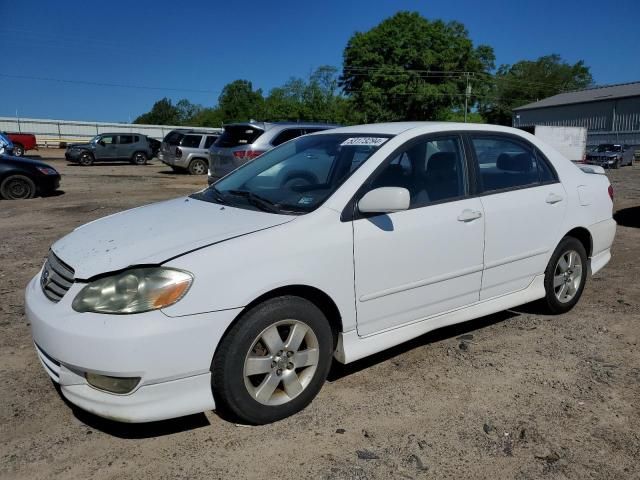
[427, 260]
[106, 147]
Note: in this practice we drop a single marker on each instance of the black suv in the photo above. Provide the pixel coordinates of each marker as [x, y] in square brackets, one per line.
[134, 147]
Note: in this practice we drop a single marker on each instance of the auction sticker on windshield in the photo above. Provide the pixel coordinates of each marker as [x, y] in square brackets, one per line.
[364, 141]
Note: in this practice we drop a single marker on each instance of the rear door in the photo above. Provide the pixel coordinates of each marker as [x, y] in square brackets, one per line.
[125, 146]
[524, 205]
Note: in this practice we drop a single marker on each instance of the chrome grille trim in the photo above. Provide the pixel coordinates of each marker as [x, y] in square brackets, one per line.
[57, 278]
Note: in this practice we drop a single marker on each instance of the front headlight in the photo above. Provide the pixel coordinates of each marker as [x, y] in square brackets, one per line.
[134, 291]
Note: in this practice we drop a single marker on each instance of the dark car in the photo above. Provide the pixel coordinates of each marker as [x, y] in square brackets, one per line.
[608, 155]
[105, 147]
[24, 178]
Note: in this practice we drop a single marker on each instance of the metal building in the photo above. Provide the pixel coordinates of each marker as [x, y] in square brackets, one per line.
[610, 113]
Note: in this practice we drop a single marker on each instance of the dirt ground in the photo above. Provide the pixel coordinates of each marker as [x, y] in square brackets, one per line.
[512, 395]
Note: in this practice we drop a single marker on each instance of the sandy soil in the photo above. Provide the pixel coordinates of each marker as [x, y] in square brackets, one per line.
[512, 395]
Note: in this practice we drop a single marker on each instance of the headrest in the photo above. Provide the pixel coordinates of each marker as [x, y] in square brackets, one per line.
[522, 162]
[441, 162]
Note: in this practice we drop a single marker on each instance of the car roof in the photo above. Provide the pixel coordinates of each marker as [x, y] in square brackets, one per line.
[396, 128]
[121, 133]
[269, 125]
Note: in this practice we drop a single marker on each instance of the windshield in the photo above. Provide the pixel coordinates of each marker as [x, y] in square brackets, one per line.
[296, 177]
[609, 148]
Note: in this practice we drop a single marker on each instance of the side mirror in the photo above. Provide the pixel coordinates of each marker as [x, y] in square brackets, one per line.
[101, 143]
[385, 200]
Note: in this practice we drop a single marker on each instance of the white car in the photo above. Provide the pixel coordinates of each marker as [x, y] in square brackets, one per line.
[239, 296]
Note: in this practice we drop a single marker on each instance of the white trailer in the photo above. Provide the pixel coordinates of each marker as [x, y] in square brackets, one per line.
[569, 141]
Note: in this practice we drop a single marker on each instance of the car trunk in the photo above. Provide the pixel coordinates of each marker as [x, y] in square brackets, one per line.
[225, 153]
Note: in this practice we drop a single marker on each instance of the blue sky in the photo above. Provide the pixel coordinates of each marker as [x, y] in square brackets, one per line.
[192, 49]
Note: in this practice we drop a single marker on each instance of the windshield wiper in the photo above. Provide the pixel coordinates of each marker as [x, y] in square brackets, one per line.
[218, 196]
[256, 200]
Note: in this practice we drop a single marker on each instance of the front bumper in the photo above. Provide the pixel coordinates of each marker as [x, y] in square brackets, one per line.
[72, 155]
[172, 355]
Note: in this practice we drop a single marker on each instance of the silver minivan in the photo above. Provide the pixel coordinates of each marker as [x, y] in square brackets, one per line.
[242, 142]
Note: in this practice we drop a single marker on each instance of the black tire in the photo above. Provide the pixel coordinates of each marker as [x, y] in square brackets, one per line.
[17, 187]
[139, 158]
[198, 166]
[86, 159]
[18, 150]
[551, 301]
[229, 383]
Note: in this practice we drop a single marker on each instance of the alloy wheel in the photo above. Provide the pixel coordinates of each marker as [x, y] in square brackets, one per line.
[281, 362]
[567, 276]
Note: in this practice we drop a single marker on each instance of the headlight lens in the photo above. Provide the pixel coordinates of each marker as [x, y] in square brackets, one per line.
[134, 291]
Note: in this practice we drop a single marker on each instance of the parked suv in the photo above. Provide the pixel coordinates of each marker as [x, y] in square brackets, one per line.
[173, 139]
[111, 146]
[242, 142]
[191, 153]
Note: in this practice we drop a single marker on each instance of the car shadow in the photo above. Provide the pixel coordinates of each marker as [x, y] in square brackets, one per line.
[628, 217]
[136, 430]
[339, 370]
[55, 193]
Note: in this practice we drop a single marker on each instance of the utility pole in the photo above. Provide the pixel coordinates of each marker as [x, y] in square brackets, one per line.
[467, 94]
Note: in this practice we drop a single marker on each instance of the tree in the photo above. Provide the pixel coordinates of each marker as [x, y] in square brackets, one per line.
[529, 81]
[410, 68]
[163, 112]
[239, 102]
[187, 111]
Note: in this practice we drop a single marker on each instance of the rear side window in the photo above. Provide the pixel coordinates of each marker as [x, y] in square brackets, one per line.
[286, 135]
[237, 135]
[209, 141]
[124, 139]
[191, 141]
[173, 137]
[136, 139]
[505, 164]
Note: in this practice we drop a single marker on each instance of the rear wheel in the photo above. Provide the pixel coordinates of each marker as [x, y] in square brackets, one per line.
[139, 158]
[565, 276]
[17, 187]
[273, 361]
[198, 166]
[18, 150]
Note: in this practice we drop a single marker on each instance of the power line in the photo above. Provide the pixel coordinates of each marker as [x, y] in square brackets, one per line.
[105, 84]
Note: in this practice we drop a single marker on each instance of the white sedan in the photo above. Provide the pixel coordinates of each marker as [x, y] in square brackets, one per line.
[335, 245]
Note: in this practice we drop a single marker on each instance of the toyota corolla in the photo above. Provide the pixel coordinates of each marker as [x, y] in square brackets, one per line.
[332, 246]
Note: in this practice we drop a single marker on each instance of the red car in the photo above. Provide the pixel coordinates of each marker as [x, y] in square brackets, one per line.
[22, 142]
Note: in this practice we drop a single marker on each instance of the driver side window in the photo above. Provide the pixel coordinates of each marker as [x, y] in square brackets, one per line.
[107, 139]
[432, 170]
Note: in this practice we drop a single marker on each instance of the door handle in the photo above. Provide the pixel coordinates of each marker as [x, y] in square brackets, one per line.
[469, 215]
[553, 198]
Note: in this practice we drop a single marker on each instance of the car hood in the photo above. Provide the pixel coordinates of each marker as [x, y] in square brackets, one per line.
[155, 233]
[22, 161]
[604, 154]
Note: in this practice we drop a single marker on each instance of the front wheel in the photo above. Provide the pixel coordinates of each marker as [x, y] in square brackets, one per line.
[17, 187]
[18, 150]
[273, 361]
[565, 276]
[86, 159]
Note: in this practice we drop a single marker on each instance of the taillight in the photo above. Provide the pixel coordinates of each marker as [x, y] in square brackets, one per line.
[611, 192]
[247, 154]
[178, 152]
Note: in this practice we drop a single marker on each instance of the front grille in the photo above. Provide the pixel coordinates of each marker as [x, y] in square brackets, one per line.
[51, 365]
[56, 278]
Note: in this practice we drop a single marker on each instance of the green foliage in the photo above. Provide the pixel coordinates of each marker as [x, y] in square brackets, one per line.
[394, 71]
[405, 68]
[529, 81]
[239, 102]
